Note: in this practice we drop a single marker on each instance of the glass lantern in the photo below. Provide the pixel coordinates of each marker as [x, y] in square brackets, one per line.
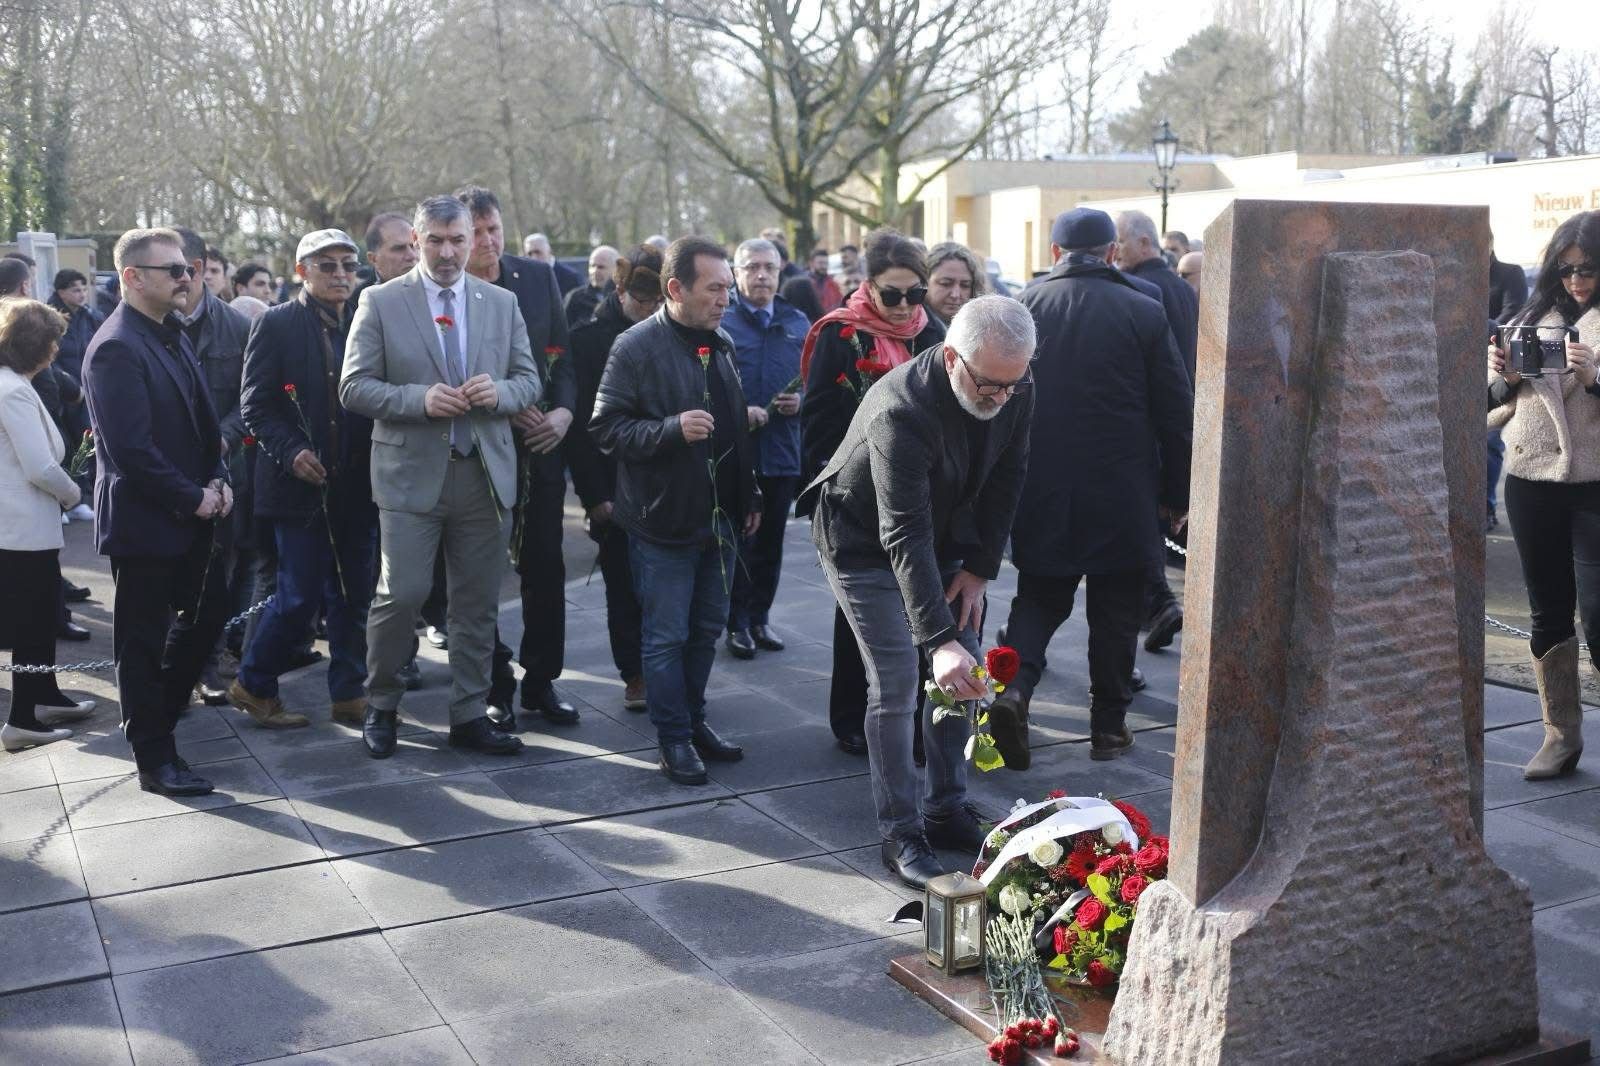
[954, 914]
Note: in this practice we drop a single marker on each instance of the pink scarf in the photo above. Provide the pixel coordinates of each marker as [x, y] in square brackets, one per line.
[860, 312]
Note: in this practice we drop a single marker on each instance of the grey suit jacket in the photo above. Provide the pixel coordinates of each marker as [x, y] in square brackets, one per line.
[394, 357]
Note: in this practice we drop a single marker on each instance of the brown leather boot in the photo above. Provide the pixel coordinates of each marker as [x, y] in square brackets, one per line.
[1557, 674]
[268, 713]
[350, 712]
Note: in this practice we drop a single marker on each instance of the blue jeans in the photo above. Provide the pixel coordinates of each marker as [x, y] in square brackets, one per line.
[307, 580]
[684, 603]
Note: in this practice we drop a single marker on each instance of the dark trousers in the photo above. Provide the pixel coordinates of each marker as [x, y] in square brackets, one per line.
[755, 581]
[623, 618]
[847, 691]
[30, 583]
[1115, 606]
[1557, 529]
[159, 658]
[543, 574]
[685, 607]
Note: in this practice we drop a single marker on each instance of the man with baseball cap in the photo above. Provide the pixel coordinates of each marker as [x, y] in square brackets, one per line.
[313, 487]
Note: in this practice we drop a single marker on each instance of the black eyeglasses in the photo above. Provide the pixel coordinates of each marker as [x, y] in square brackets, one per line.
[175, 271]
[892, 297]
[1578, 270]
[330, 266]
[994, 388]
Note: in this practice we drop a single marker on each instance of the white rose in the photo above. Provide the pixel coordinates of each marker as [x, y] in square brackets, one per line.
[1112, 834]
[1014, 901]
[1046, 853]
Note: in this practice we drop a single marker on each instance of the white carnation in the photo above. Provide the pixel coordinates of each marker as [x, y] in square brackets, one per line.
[1046, 853]
[1014, 900]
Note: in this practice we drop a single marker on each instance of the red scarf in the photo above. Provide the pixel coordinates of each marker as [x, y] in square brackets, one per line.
[860, 312]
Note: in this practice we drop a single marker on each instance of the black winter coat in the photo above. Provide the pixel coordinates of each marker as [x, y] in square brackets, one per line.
[1181, 303]
[594, 473]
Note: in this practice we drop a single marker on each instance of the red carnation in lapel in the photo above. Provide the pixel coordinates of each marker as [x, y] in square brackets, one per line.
[705, 357]
[445, 322]
[290, 389]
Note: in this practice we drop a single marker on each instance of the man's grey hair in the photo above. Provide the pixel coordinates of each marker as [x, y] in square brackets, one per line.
[750, 247]
[438, 209]
[658, 242]
[995, 322]
[1131, 225]
[603, 250]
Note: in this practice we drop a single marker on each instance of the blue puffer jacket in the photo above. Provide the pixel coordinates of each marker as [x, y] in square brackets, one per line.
[768, 360]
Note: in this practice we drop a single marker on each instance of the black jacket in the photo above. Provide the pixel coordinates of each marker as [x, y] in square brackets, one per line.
[1181, 304]
[581, 303]
[663, 490]
[1508, 289]
[594, 474]
[534, 286]
[1116, 434]
[82, 322]
[826, 407]
[903, 490]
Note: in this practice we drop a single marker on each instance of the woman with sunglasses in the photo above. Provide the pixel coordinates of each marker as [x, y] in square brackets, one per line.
[882, 324]
[1551, 427]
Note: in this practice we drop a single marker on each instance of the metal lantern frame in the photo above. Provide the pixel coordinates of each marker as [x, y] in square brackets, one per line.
[944, 898]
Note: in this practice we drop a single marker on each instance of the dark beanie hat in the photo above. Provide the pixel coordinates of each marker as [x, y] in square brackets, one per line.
[1083, 227]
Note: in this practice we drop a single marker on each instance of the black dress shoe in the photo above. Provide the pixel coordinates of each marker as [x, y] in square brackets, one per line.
[1008, 725]
[853, 744]
[912, 860]
[1164, 627]
[1136, 681]
[304, 657]
[378, 731]
[480, 734]
[543, 701]
[766, 638]
[1106, 746]
[962, 831]
[710, 746]
[213, 691]
[75, 593]
[72, 631]
[679, 762]
[173, 779]
[740, 644]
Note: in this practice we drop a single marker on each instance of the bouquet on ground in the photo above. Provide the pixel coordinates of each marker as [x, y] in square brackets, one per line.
[998, 669]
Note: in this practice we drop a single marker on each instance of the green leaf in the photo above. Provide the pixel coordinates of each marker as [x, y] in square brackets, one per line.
[942, 712]
[1101, 887]
[1058, 963]
[1114, 921]
[985, 755]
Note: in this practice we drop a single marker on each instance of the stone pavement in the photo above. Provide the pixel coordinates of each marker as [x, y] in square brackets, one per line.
[569, 905]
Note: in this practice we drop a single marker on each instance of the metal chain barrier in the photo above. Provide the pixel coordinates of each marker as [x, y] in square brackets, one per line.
[95, 665]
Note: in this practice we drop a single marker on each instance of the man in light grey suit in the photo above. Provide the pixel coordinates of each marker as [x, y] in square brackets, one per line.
[440, 362]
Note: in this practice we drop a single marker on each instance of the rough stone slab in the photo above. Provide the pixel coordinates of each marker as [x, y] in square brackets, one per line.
[226, 916]
[433, 881]
[491, 963]
[38, 871]
[111, 801]
[34, 813]
[682, 842]
[414, 812]
[49, 944]
[275, 1003]
[68, 1025]
[425, 1047]
[593, 788]
[837, 815]
[192, 847]
[25, 771]
[1556, 868]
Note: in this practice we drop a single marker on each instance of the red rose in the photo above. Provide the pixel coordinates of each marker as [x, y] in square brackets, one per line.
[1091, 913]
[846, 331]
[1151, 860]
[1100, 974]
[1002, 664]
[1132, 888]
[1112, 864]
[1136, 818]
[1066, 938]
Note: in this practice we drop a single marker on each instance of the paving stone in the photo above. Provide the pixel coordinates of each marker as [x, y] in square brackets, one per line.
[835, 814]
[543, 742]
[1506, 706]
[429, 882]
[49, 944]
[415, 812]
[1569, 957]
[192, 847]
[594, 788]
[682, 842]
[110, 801]
[841, 1004]
[770, 912]
[688, 1021]
[320, 733]
[743, 712]
[67, 1025]
[1557, 868]
[425, 1047]
[38, 871]
[25, 771]
[337, 767]
[34, 813]
[1063, 766]
[790, 756]
[225, 916]
[1576, 815]
[1507, 751]
[500, 961]
[108, 755]
[1060, 709]
[802, 660]
[275, 1002]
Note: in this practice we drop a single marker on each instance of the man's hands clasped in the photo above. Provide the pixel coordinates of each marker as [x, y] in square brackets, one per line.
[216, 500]
[451, 401]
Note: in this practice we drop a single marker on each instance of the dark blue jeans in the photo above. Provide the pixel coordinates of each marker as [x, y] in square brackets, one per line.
[307, 580]
[684, 603]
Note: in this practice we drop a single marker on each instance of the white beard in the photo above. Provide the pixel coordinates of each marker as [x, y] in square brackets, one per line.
[971, 407]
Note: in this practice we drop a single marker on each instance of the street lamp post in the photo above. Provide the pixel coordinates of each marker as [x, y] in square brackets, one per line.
[1165, 144]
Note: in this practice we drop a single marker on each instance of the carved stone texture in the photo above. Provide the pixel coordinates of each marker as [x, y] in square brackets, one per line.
[1254, 392]
[1369, 925]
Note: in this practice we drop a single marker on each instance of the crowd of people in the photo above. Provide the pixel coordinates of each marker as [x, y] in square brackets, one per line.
[362, 452]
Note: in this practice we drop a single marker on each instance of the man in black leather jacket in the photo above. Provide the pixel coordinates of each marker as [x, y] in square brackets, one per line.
[671, 412]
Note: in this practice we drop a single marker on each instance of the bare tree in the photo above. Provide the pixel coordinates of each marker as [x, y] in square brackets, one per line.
[1550, 91]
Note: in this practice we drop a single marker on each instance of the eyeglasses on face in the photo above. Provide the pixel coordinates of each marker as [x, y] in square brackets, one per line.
[332, 266]
[986, 387]
[1587, 271]
[891, 297]
[175, 271]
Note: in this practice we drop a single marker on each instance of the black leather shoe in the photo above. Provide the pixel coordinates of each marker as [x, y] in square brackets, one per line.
[1008, 725]
[502, 718]
[740, 644]
[853, 744]
[912, 860]
[680, 763]
[543, 701]
[766, 638]
[72, 631]
[1105, 746]
[75, 593]
[1136, 680]
[172, 779]
[962, 831]
[304, 657]
[213, 691]
[710, 746]
[1164, 627]
[377, 732]
[480, 734]
[410, 675]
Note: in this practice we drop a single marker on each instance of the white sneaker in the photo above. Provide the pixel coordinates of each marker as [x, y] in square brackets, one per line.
[81, 513]
[64, 518]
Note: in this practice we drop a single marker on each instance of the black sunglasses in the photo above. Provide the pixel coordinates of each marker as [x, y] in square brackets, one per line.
[330, 266]
[1580, 270]
[175, 271]
[892, 297]
[986, 387]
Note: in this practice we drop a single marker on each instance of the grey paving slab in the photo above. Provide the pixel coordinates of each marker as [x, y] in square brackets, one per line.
[1506, 751]
[110, 801]
[841, 1004]
[1154, 750]
[769, 912]
[1064, 766]
[505, 960]
[67, 1025]
[34, 813]
[39, 871]
[24, 771]
[678, 842]
[414, 812]
[1557, 868]
[594, 734]
[802, 660]
[321, 732]
[1568, 950]
[49, 944]
[835, 814]
[594, 788]
[1506, 706]
[433, 881]
[275, 1002]
[227, 915]
[791, 756]
[746, 712]
[199, 724]
[337, 767]
[686, 1021]
[437, 1046]
[95, 756]
[192, 847]
[1576, 814]
[1060, 707]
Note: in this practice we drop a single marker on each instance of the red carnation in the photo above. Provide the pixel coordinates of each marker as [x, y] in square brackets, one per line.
[1100, 974]
[1066, 1045]
[289, 388]
[1136, 818]
[1002, 664]
[1011, 1052]
[704, 355]
[840, 380]
[1091, 913]
[553, 351]
[865, 366]
[1151, 860]
[1032, 1041]
[1123, 848]
[445, 322]
[1051, 1027]
[1054, 793]
[846, 331]
[248, 442]
[1066, 938]
[1132, 888]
